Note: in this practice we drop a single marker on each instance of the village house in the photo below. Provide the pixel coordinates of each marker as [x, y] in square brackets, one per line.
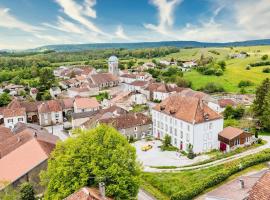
[128, 78]
[135, 86]
[89, 119]
[17, 160]
[84, 91]
[13, 116]
[130, 125]
[50, 113]
[85, 105]
[189, 121]
[186, 66]
[231, 138]
[104, 80]
[223, 103]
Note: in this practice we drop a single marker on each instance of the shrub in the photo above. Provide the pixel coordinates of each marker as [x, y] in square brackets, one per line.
[245, 83]
[266, 70]
[233, 113]
[226, 171]
[248, 67]
[212, 88]
[190, 154]
[258, 64]
[264, 57]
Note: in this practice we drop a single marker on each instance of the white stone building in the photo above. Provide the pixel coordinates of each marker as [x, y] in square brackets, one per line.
[13, 116]
[188, 121]
[85, 105]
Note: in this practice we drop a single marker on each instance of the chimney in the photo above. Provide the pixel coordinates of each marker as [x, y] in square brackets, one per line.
[242, 183]
[102, 190]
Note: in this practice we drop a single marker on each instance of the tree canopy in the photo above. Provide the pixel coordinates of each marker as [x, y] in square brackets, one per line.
[97, 155]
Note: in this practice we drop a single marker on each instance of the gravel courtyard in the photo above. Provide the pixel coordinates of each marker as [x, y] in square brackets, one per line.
[156, 157]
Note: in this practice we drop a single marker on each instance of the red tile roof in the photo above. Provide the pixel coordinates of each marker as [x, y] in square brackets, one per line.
[84, 103]
[14, 112]
[50, 106]
[86, 194]
[22, 160]
[188, 109]
[5, 133]
[127, 120]
[230, 132]
[102, 78]
[226, 102]
[21, 137]
[139, 83]
[261, 190]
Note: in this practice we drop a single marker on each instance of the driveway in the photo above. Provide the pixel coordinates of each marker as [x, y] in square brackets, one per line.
[217, 162]
[144, 195]
[156, 157]
[58, 131]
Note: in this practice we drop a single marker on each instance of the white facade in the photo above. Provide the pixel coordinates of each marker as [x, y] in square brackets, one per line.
[203, 136]
[47, 119]
[10, 122]
[139, 99]
[80, 110]
[160, 95]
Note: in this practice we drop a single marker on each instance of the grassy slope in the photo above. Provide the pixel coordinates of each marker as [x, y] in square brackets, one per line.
[235, 67]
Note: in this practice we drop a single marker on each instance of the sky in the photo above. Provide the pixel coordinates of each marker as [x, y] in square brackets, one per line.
[33, 23]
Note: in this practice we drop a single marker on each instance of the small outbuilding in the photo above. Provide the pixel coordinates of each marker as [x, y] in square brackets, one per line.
[231, 138]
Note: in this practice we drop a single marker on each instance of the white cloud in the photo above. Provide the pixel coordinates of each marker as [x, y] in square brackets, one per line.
[7, 20]
[80, 13]
[66, 26]
[121, 34]
[166, 15]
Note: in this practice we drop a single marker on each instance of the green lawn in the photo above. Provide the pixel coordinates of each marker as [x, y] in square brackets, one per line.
[139, 108]
[190, 183]
[235, 72]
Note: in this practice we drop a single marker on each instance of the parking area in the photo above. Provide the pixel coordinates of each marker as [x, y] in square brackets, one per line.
[58, 131]
[156, 157]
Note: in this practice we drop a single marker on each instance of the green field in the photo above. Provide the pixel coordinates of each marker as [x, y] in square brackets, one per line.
[235, 69]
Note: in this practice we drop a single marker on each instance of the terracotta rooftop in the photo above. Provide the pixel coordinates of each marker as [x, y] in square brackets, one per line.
[230, 132]
[226, 102]
[81, 89]
[5, 133]
[14, 112]
[188, 109]
[22, 135]
[261, 190]
[127, 120]
[50, 106]
[84, 103]
[103, 78]
[14, 104]
[133, 76]
[23, 159]
[86, 194]
[139, 83]
[67, 103]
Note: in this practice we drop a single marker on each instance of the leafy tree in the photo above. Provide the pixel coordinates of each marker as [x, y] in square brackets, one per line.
[167, 140]
[46, 96]
[100, 154]
[233, 113]
[46, 78]
[212, 88]
[265, 118]
[4, 99]
[27, 191]
[180, 82]
[264, 57]
[261, 92]
[222, 65]
[190, 154]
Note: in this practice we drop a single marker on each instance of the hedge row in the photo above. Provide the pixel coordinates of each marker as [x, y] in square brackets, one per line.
[228, 170]
[258, 64]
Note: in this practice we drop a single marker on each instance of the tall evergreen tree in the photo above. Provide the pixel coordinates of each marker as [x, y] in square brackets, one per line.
[261, 93]
[265, 118]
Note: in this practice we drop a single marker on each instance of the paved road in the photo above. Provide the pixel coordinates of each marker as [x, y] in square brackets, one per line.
[144, 195]
[217, 162]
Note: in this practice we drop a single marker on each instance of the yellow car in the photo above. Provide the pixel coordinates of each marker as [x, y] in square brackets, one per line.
[147, 147]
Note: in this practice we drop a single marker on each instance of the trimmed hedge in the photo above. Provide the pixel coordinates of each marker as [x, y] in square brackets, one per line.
[228, 170]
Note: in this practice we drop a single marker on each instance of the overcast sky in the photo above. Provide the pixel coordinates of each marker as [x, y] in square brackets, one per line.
[32, 23]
